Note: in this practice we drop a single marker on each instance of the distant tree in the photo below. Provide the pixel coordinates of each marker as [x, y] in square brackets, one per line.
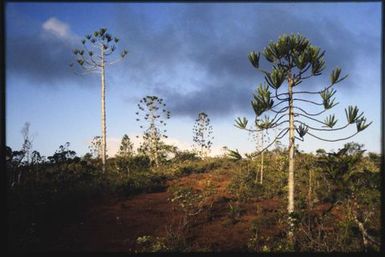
[320, 152]
[27, 143]
[261, 138]
[8, 153]
[124, 158]
[153, 115]
[294, 59]
[126, 148]
[95, 147]
[63, 154]
[234, 155]
[94, 55]
[202, 134]
[36, 158]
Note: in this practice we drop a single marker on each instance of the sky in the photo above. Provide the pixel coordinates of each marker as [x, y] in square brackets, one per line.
[192, 55]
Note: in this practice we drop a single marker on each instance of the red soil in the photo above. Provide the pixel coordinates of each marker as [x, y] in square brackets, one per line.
[114, 224]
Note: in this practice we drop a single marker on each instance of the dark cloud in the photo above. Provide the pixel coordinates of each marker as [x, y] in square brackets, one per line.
[40, 57]
[213, 39]
[217, 39]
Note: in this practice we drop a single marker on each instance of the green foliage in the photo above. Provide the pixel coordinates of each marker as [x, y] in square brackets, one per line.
[266, 220]
[202, 135]
[151, 244]
[135, 163]
[175, 167]
[181, 156]
[348, 181]
[263, 96]
[330, 121]
[276, 77]
[99, 38]
[241, 123]
[254, 58]
[302, 130]
[352, 114]
[153, 112]
[234, 211]
[190, 201]
[234, 155]
[361, 124]
[243, 185]
[126, 147]
[95, 147]
[327, 100]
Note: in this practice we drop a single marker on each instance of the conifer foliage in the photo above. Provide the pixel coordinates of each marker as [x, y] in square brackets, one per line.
[202, 134]
[97, 52]
[152, 115]
[293, 59]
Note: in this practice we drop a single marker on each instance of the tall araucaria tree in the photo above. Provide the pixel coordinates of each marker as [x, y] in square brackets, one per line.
[294, 60]
[202, 134]
[152, 112]
[96, 53]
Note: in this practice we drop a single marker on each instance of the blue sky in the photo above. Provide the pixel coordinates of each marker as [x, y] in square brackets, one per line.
[192, 55]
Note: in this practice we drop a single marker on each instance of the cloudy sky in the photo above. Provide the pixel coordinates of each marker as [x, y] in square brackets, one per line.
[192, 55]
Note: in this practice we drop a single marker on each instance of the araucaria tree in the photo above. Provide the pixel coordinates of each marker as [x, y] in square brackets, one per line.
[153, 115]
[294, 59]
[202, 134]
[96, 53]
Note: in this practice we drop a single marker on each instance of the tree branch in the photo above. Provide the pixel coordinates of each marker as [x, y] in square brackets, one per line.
[332, 140]
[320, 129]
[274, 140]
[300, 114]
[311, 114]
[283, 101]
[308, 101]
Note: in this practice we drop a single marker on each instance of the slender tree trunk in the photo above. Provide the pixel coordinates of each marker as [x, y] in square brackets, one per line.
[261, 180]
[310, 204]
[156, 154]
[262, 157]
[154, 138]
[104, 141]
[290, 207]
[256, 172]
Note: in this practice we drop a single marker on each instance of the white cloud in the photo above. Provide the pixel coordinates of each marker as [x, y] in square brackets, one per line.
[57, 28]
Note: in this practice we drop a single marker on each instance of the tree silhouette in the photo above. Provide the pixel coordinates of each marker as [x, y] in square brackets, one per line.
[153, 113]
[95, 147]
[202, 134]
[294, 59]
[126, 147]
[95, 54]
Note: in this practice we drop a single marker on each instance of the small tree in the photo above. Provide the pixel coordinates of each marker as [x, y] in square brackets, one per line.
[126, 148]
[94, 55]
[27, 143]
[261, 137]
[63, 154]
[294, 59]
[153, 115]
[202, 134]
[95, 147]
[124, 160]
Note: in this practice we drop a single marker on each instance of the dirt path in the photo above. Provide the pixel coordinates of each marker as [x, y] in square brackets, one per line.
[115, 223]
